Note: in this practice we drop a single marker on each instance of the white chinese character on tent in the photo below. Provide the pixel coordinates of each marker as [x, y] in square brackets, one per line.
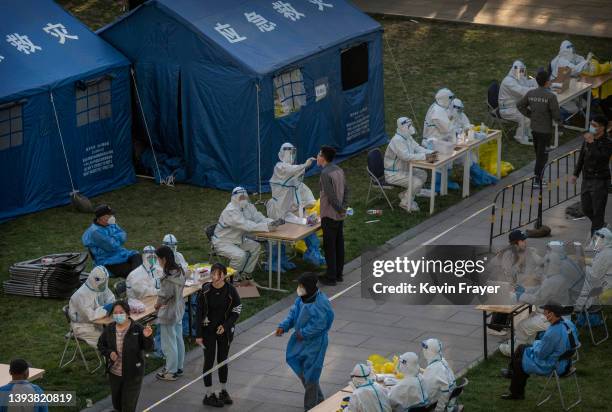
[261, 23]
[287, 10]
[58, 30]
[23, 43]
[321, 4]
[229, 33]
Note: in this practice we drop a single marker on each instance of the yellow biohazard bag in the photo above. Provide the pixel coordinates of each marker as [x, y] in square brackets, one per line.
[300, 246]
[487, 159]
[597, 69]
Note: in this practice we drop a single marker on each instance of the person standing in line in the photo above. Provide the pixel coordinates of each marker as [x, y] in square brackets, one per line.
[19, 369]
[334, 201]
[170, 306]
[542, 108]
[123, 344]
[594, 164]
[218, 311]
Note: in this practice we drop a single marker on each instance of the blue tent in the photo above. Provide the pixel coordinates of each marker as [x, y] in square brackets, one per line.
[223, 83]
[46, 52]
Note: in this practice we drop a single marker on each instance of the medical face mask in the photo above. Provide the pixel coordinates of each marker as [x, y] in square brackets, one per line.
[243, 203]
[151, 260]
[119, 317]
[111, 220]
[301, 291]
[592, 129]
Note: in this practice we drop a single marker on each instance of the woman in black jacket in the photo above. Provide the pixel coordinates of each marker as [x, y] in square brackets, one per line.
[218, 310]
[123, 344]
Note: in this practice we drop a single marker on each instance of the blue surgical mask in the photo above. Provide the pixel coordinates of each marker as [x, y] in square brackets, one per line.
[119, 317]
[592, 130]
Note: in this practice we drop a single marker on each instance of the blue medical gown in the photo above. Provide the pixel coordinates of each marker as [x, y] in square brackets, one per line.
[540, 359]
[106, 244]
[313, 321]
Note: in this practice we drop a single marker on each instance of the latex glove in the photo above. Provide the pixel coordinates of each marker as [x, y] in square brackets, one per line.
[310, 161]
[108, 307]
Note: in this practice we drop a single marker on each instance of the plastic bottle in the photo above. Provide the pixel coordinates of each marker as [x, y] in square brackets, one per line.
[375, 212]
[483, 129]
[349, 211]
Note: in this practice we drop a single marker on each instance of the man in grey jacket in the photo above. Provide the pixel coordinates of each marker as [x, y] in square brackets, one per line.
[541, 106]
[334, 200]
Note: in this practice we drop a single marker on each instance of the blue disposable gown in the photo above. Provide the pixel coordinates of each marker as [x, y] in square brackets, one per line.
[313, 321]
[540, 359]
[106, 244]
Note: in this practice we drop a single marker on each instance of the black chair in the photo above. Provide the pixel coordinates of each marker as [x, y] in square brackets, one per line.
[492, 103]
[376, 172]
[213, 256]
[120, 289]
[593, 310]
[426, 408]
[571, 371]
[459, 386]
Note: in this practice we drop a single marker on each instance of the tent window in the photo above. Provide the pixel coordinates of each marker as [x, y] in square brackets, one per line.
[289, 95]
[11, 127]
[93, 102]
[354, 62]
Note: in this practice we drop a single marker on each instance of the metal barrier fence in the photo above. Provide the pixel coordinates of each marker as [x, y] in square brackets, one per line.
[523, 202]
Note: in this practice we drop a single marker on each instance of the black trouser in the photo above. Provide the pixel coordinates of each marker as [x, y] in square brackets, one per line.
[519, 377]
[219, 344]
[124, 392]
[123, 269]
[540, 142]
[333, 245]
[593, 200]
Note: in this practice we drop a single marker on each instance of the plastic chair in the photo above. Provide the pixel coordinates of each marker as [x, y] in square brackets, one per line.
[70, 336]
[569, 355]
[376, 172]
[592, 310]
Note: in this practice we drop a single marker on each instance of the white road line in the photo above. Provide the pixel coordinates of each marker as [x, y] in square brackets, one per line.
[337, 295]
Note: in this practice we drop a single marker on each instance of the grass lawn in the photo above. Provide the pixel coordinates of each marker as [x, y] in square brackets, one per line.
[430, 55]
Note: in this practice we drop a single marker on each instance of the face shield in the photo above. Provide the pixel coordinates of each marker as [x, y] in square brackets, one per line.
[240, 197]
[288, 153]
[98, 279]
[361, 375]
[405, 127]
[601, 238]
[170, 241]
[149, 258]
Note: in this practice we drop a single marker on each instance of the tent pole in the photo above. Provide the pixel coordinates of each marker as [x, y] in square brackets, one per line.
[62, 141]
[144, 119]
[259, 201]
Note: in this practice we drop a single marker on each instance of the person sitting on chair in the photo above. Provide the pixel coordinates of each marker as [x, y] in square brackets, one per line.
[105, 239]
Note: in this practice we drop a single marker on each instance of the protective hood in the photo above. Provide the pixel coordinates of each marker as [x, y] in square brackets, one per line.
[444, 97]
[566, 50]
[555, 254]
[432, 349]
[236, 193]
[149, 258]
[515, 70]
[98, 279]
[602, 239]
[361, 375]
[409, 364]
[287, 153]
[405, 127]
[170, 241]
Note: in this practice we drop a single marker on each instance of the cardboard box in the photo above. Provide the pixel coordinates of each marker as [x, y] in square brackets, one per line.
[246, 289]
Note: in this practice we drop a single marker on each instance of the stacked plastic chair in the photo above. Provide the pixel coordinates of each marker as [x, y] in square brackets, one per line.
[51, 276]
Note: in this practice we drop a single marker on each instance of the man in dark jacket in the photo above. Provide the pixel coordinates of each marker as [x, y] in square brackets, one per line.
[541, 106]
[334, 200]
[594, 163]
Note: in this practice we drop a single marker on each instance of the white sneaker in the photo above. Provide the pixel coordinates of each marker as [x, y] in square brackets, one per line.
[494, 332]
[504, 348]
[414, 207]
[523, 140]
[425, 193]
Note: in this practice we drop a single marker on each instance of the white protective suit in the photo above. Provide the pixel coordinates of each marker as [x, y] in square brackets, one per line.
[568, 58]
[512, 89]
[87, 305]
[562, 281]
[411, 390]
[288, 190]
[401, 150]
[145, 279]
[599, 274]
[368, 395]
[458, 118]
[438, 376]
[239, 218]
[437, 121]
[171, 241]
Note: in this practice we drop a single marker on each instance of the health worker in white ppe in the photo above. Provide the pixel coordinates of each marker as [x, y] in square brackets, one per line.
[368, 396]
[438, 376]
[403, 149]
[410, 391]
[567, 57]
[290, 196]
[145, 279]
[171, 241]
[512, 89]
[599, 274]
[437, 126]
[92, 301]
[238, 219]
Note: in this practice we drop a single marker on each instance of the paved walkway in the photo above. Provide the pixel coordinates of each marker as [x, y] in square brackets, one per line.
[260, 379]
[586, 17]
